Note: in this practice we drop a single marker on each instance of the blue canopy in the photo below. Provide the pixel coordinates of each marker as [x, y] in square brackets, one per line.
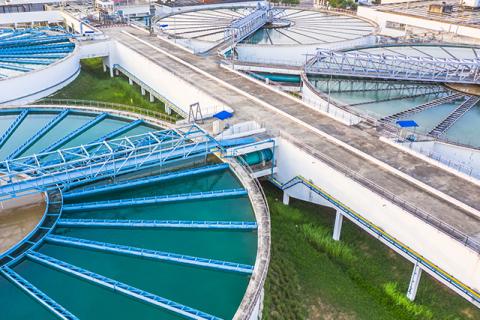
[407, 123]
[222, 115]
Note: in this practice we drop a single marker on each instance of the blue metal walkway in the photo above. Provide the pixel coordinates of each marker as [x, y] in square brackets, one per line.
[53, 122]
[154, 224]
[151, 254]
[111, 204]
[11, 129]
[36, 294]
[121, 287]
[107, 158]
[143, 181]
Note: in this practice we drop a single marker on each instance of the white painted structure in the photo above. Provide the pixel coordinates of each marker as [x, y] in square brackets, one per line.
[414, 22]
[448, 254]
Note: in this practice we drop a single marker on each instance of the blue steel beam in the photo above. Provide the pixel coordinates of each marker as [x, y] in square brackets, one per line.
[37, 294]
[13, 126]
[14, 67]
[103, 159]
[120, 287]
[143, 181]
[150, 254]
[23, 147]
[110, 204]
[74, 133]
[108, 165]
[156, 224]
[21, 60]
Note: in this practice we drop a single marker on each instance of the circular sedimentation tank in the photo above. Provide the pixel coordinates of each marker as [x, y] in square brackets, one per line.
[380, 99]
[27, 50]
[194, 253]
[301, 31]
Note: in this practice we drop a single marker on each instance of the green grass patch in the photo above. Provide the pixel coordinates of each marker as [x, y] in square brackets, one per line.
[321, 238]
[399, 298]
[94, 84]
[314, 277]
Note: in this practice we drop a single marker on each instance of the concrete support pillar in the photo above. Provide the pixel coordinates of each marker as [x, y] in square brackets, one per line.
[168, 110]
[337, 229]
[104, 67]
[286, 198]
[152, 98]
[130, 81]
[117, 72]
[111, 72]
[143, 91]
[414, 281]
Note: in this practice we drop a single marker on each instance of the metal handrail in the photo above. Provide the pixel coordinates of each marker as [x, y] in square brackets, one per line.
[111, 105]
[419, 213]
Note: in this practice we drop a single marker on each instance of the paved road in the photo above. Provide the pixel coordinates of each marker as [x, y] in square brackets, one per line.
[362, 139]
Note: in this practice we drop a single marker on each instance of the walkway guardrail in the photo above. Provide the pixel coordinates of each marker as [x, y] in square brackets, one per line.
[419, 213]
[369, 226]
[107, 105]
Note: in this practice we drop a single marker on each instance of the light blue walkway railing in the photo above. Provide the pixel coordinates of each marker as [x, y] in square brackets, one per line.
[110, 204]
[151, 254]
[150, 224]
[143, 181]
[37, 294]
[120, 287]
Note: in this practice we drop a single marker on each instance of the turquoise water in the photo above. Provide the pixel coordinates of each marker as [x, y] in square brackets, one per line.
[68, 124]
[85, 300]
[365, 96]
[23, 307]
[28, 127]
[212, 291]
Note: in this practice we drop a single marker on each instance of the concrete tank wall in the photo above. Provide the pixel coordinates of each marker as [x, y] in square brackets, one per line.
[178, 91]
[37, 84]
[436, 246]
[293, 54]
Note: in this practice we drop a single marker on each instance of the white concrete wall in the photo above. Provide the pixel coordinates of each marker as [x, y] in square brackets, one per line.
[464, 159]
[41, 82]
[312, 99]
[178, 91]
[294, 54]
[28, 17]
[93, 49]
[382, 17]
[448, 254]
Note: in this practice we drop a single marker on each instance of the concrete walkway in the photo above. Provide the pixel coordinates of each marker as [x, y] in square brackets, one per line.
[365, 140]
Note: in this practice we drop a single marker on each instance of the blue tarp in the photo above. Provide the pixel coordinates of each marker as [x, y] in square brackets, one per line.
[222, 115]
[407, 123]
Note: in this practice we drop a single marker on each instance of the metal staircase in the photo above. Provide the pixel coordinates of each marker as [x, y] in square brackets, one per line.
[453, 117]
[422, 107]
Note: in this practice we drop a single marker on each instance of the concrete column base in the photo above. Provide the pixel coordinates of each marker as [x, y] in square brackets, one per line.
[152, 98]
[130, 81]
[286, 198]
[168, 110]
[337, 229]
[414, 282]
[143, 91]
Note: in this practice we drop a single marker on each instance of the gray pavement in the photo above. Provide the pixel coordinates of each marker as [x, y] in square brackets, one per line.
[363, 140]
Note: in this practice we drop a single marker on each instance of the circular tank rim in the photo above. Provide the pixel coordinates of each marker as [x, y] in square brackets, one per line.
[75, 51]
[375, 27]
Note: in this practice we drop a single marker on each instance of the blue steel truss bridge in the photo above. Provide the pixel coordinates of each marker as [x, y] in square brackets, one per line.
[394, 67]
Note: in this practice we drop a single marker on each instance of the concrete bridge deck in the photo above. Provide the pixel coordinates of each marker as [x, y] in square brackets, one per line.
[279, 113]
